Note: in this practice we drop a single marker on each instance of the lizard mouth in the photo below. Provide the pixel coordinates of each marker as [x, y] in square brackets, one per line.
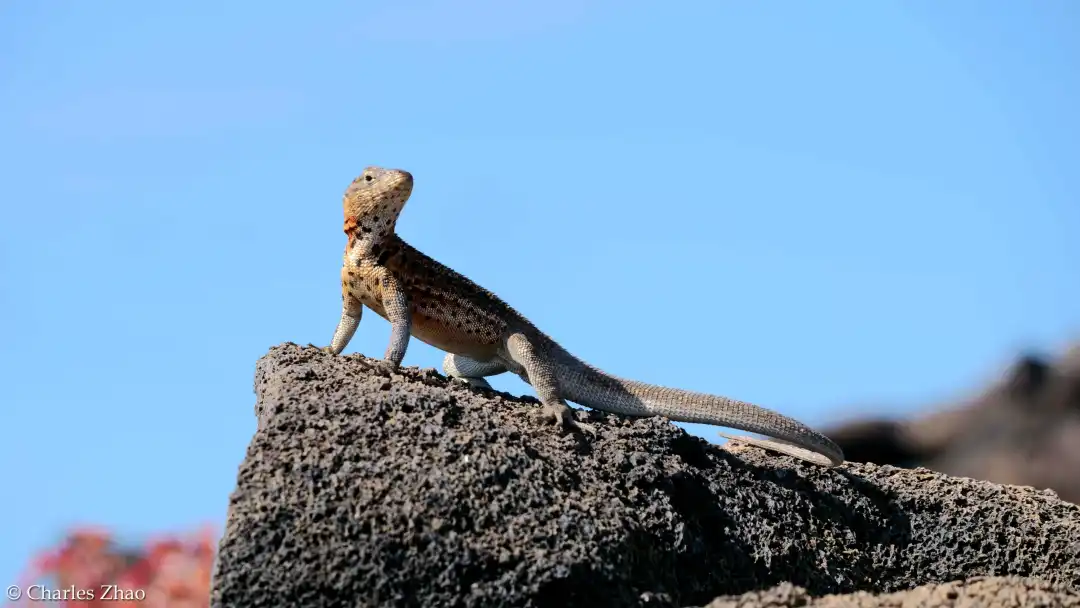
[404, 180]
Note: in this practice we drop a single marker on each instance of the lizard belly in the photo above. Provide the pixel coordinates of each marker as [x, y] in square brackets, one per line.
[444, 336]
[450, 336]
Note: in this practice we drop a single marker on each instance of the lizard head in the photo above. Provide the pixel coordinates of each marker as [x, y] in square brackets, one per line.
[374, 200]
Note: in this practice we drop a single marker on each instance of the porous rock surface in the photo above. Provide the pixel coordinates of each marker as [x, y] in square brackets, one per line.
[367, 487]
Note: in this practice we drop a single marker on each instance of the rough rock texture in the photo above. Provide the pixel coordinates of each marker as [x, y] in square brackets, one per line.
[1023, 430]
[367, 488]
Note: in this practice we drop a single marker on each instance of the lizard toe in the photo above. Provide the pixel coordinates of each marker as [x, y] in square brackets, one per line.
[539, 416]
[586, 428]
[561, 416]
[384, 366]
[545, 416]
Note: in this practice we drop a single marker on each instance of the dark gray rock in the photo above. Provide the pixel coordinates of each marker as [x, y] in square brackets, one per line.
[366, 488]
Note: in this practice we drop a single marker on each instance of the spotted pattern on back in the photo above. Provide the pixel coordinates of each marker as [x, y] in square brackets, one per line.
[443, 301]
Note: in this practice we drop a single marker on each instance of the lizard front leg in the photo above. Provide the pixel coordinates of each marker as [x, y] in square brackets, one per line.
[351, 310]
[396, 304]
[471, 371]
[540, 373]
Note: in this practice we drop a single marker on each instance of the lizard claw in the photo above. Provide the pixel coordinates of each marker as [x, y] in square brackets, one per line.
[562, 416]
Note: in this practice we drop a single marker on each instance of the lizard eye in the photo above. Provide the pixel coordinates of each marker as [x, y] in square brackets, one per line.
[368, 178]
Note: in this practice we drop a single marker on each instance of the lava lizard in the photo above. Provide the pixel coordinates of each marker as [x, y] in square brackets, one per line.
[484, 336]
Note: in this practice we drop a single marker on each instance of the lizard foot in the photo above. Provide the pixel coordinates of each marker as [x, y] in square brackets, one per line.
[586, 428]
[562, 416]
[384, 366]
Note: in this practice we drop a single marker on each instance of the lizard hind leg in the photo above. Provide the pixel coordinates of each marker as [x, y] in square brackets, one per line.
[471, 371]
[538, 370]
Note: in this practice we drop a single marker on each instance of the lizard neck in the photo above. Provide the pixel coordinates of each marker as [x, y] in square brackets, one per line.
[368, 239]
[369, 231]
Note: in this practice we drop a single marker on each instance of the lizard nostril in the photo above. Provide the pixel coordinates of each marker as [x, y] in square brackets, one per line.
[368, 178]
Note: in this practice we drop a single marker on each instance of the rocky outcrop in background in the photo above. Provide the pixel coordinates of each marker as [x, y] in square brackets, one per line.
[363, 487]
[979, 592]
[1023, 430]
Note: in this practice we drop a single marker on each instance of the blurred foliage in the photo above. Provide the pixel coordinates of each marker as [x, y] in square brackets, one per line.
[171, 571]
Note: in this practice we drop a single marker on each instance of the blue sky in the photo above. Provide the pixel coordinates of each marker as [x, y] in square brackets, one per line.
[829, 208]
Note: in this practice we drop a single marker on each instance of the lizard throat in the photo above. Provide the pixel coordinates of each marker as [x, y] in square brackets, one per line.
[369, 229]
[367, 238]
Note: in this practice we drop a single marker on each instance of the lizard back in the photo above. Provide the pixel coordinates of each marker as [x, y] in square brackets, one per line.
[449, 310]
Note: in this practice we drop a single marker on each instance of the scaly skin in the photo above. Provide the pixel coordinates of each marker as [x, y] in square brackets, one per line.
[485, 336]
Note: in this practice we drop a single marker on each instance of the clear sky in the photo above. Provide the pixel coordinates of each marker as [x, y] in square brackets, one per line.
[829, 208]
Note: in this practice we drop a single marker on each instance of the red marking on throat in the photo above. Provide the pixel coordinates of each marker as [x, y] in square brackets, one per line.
[350, 231]
[350, 225]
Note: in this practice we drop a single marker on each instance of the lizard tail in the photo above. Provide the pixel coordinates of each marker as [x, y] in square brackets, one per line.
[591, 387]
